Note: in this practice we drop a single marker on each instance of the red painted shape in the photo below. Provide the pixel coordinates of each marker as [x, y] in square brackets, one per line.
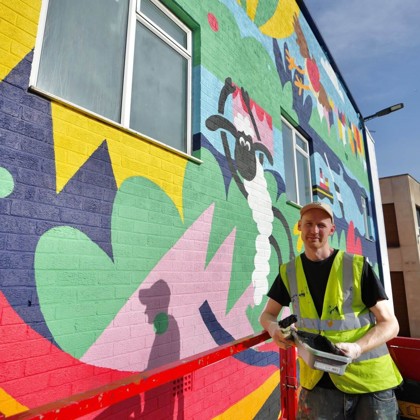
[353, 245]
[115, 392]
[209, 397]
[313, 74]
[38, 373]
[34, 371]
[214, 24]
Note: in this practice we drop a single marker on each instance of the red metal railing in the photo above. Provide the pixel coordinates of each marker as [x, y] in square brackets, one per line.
[102, 397]
[405, 352]
[288, 383]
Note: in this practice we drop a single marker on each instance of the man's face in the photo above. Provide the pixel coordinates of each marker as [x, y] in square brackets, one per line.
[315, 227]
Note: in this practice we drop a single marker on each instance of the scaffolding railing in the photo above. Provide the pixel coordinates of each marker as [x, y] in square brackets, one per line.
[405, 352]
[99, 398]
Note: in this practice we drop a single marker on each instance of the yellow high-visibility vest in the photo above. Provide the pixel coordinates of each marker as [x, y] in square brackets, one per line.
[345, 318]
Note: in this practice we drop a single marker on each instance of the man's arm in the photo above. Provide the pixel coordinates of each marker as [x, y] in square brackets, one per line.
[268, 320]
[386, 328]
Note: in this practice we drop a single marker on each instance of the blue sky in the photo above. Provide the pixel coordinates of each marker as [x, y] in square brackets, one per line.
[376, 46]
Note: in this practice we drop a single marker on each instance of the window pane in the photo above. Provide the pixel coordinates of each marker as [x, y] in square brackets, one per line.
[159, 96]
[399, 299]
[301, 143]
[365, 216]
[164, 22]
[305, 193]
[391, 227]
[289, 165]
[418, 218]
[82, 59]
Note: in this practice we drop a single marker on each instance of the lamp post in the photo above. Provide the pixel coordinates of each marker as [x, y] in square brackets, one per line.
[384, 111]
[378, 218]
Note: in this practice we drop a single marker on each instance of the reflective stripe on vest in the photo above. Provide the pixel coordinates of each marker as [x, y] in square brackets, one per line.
[351, 321]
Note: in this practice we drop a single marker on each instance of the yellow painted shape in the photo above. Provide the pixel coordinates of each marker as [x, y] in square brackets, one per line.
[77, 136]
[249, 406]
[280, 25]
[358, 135]
[8, 405]
[297, 233]
[340, 129]
[316, 189]
[18, 29]
[251, 8]
[351, 140]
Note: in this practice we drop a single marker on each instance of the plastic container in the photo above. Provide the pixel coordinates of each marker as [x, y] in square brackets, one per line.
[321, 360]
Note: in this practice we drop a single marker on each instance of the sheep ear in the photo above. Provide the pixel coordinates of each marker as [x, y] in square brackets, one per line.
[216, 122]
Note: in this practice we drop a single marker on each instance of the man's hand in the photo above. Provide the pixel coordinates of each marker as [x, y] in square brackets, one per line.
[351, 350]
[281, 336]
[269, 322]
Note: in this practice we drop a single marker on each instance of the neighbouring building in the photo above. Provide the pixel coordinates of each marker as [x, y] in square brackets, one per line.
[154, 156]
[401, 209]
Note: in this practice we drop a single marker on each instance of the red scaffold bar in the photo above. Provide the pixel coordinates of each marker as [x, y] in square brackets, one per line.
[96, 399]
[289, 385]
[406, 352]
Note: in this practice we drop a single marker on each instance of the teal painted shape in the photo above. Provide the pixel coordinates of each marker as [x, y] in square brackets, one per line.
[161, 323]
[265, 11]
[80, 288]
[7, 183]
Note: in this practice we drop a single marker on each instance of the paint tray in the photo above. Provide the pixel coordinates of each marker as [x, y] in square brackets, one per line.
[319, 353]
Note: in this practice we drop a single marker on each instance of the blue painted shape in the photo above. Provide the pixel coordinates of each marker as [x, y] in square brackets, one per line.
[34, 207]
[221, 336]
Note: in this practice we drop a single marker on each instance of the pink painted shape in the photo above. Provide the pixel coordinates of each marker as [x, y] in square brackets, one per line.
[191, 283]
[263, 120]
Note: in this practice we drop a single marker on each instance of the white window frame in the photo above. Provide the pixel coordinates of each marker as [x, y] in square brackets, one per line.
[366, 217]
[418, 222]
[305, 154]
[134, 16]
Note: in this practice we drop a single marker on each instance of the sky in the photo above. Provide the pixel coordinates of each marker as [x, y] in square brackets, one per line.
[376, 46]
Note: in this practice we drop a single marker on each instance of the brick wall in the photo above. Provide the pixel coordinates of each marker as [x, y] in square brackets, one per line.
[118, 254]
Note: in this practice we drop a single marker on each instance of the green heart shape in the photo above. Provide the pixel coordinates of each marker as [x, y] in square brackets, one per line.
[80, 288]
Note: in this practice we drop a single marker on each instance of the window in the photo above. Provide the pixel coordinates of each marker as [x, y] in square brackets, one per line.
[366, 219]
[399, 298]
[391, 227]
[296, 165]
[127, 61]
[418, 221]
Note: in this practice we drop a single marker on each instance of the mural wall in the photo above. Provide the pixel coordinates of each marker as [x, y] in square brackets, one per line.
[119, 255]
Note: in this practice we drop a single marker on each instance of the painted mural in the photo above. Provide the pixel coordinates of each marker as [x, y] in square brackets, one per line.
[118, 255]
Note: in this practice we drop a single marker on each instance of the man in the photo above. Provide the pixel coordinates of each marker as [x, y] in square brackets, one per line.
[339, 296]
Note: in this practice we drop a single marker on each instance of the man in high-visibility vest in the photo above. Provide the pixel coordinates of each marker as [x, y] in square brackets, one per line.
[337, 295]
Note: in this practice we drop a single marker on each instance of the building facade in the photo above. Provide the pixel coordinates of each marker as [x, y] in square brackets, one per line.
[154, 156]
[401, 209]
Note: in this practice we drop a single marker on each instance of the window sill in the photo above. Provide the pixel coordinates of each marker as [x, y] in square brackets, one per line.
[114, 124]
[370, 239]
[293, 204]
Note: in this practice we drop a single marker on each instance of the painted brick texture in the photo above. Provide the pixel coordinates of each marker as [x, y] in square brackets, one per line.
[119, 254]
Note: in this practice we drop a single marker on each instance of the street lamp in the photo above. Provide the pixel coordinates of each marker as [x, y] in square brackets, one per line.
[376, 194]
[384, 111]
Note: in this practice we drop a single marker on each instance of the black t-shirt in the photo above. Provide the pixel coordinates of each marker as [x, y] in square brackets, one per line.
[317, 273]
